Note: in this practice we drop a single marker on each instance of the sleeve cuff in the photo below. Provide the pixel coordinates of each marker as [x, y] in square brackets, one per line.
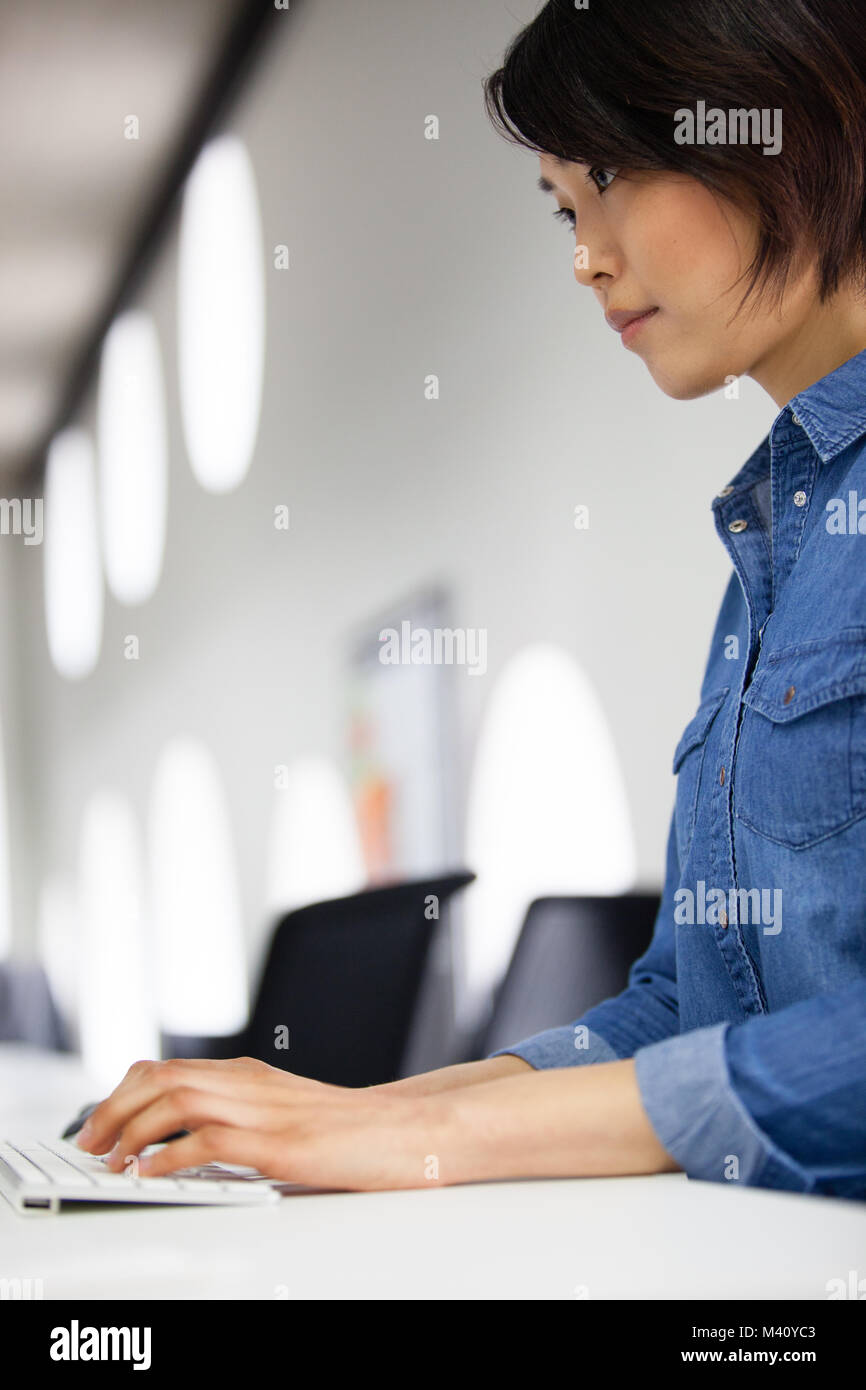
[574, 1045]
[698, 1117]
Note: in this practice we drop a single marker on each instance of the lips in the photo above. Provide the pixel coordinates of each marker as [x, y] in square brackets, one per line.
[621, 318]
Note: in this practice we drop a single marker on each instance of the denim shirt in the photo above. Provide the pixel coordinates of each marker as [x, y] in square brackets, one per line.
[746, 1016]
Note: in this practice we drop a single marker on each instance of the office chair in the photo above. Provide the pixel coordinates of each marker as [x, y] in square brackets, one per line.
[340, 984]
[571, 954]
[28, 1012]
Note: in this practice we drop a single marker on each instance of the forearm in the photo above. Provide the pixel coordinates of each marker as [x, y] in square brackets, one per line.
[567, 1122]
[454, 1078]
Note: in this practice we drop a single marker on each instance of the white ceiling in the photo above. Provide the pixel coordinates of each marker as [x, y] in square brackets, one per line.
[73, 190]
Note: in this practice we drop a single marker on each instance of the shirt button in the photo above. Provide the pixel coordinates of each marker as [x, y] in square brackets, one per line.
[795, 419]
[723, 918]
[725, 492]
[722, 777]
[799, 499]
[789, 694]
[738, 525]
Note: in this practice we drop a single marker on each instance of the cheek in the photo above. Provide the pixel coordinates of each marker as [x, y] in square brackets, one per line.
[692, 252]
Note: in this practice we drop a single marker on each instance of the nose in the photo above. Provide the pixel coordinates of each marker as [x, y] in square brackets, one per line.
[587, 271]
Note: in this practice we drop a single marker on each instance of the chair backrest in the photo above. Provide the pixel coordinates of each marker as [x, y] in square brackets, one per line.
[28, 1012]
[571, 954]
[341, 981]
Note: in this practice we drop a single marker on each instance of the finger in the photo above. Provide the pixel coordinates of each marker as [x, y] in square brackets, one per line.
[136, 1088]
[147, 1080]
[218, 1143]
[184, 1107]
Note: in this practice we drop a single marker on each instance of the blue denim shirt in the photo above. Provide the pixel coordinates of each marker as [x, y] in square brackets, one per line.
[746, 1016]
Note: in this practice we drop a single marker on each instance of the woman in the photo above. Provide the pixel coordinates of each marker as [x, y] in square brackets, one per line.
[711, 159]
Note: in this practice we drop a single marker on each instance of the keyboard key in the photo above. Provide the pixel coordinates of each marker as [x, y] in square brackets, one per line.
[23, 1169]
[57, 1168]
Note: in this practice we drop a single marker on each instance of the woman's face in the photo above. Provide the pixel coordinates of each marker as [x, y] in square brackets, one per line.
[663, 241]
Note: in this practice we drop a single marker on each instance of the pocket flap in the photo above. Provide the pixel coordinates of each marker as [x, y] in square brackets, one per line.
[794, 680]
[697, 729]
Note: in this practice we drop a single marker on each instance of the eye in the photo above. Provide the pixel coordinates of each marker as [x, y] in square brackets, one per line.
[602, 178]
[597, 174]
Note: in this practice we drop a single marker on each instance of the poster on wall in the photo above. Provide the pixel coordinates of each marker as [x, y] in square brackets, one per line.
[401, 745]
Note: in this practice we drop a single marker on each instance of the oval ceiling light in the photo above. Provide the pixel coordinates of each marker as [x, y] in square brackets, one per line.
[118, 1014]
[5, 895]
[547, 814]
[314, 849]
[195, 896]
[73, 575]
[221, 311]
[133, 457]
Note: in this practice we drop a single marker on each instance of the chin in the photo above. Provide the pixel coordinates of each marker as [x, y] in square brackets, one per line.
[687, 385]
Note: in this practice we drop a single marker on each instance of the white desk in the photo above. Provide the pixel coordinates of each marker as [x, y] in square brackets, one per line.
[597, 1238]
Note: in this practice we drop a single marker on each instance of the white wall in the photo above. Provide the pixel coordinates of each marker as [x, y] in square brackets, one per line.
[408, 257]
[15, 872]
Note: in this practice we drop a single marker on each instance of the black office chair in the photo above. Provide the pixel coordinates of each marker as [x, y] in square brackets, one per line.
[28, 1012]
[340, 984]
[571, 954]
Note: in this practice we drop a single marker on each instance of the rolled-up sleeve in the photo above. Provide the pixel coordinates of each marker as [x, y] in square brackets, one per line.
[777, 1101]
[572, 1046]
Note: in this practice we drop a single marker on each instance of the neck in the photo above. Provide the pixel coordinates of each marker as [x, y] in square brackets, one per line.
[828, 335]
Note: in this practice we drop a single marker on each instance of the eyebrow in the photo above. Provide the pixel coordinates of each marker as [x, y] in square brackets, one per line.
[545, 185]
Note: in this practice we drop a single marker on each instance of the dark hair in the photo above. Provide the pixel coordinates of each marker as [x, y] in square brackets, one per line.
[600, 86]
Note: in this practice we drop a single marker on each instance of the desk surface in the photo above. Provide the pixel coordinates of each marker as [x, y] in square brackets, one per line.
[597, 1238]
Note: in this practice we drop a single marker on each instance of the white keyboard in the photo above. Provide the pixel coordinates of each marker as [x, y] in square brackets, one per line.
[39, 1176]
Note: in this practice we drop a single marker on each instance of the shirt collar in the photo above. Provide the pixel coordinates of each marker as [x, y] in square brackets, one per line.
[831, 412]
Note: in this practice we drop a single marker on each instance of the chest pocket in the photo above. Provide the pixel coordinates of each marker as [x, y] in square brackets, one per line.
[800, 768]
[688, 766]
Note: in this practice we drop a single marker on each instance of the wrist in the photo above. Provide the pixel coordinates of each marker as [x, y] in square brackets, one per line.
[476, 1124]
[454, 1077]
[441, 1137]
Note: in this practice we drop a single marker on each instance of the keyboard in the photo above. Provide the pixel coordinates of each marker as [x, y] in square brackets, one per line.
[41, 1176]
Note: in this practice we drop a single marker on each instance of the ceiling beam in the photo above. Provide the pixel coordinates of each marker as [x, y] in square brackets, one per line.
[242, 46]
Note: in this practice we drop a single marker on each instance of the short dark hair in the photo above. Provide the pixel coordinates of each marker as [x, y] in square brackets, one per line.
[600, 86]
